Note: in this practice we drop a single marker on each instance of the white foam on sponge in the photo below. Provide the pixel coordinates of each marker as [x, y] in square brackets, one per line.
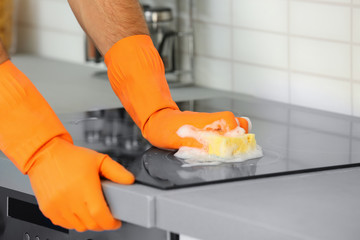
[196, 156]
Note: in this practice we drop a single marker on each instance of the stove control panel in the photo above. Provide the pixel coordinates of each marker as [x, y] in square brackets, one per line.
[21, 218]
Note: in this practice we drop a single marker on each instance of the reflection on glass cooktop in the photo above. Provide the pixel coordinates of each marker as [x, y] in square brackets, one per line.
[294, 140]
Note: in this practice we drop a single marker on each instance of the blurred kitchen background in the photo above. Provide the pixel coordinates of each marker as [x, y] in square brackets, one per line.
[303, 52]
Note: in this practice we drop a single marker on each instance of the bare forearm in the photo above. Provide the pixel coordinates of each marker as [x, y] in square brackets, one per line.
[108, 21]
[3, 54]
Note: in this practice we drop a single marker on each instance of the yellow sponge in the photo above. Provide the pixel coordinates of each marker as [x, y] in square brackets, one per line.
[226, 147]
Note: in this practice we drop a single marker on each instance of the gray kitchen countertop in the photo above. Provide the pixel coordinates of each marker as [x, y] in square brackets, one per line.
[321, 205]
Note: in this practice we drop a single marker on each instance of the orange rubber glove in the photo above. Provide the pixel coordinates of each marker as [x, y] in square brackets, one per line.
[65, 178]
[137, 76]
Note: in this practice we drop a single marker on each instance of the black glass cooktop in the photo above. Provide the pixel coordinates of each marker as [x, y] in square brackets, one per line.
[294, 140]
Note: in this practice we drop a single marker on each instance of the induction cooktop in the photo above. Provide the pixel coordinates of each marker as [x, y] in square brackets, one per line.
[294, 140]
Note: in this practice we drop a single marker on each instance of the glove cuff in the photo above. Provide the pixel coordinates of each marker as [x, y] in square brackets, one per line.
[137, 76]
[27, 121]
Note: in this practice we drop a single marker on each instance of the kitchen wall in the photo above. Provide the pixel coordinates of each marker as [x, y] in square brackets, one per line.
[304, 52]
[48, 28]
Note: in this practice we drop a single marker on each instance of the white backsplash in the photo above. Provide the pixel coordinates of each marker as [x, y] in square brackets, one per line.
[305, 52]
[49, 28]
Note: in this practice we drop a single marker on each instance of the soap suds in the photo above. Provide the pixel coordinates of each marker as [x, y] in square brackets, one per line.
[196, 156]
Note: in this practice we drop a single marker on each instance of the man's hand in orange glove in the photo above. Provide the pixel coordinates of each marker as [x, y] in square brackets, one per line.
[136, 72]
[65, 178]
[137, 76]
